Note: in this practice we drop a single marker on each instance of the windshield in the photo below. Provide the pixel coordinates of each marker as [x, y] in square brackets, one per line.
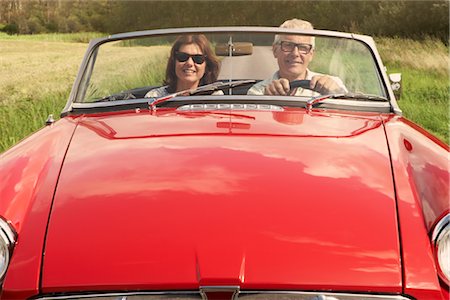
[162, 65]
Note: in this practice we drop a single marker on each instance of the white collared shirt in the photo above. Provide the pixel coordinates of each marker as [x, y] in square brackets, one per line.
[258, 89]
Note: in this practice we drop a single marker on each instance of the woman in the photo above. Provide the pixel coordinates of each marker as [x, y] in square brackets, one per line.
[192, 63]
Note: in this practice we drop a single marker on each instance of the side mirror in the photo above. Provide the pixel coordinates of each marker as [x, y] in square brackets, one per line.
[396, 84]
[237, 49]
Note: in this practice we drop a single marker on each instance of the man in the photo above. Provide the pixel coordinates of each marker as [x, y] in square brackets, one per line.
[294, 53]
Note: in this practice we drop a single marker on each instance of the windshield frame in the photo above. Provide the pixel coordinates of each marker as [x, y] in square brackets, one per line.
[85, 70]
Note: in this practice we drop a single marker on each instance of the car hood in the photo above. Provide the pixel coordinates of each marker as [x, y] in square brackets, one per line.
[262, 200]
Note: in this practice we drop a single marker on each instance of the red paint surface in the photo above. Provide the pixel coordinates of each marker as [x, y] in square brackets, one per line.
[174, 201]
[28, 176]
[422, 180]
[284, 200]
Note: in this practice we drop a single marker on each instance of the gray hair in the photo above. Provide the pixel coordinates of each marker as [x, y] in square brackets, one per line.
[295, 24]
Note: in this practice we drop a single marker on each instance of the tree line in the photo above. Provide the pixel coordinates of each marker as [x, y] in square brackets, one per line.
[403, 18]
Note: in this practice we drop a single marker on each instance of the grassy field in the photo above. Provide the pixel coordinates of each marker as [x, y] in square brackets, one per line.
[35, 80]
[425, 74]
[37, 72]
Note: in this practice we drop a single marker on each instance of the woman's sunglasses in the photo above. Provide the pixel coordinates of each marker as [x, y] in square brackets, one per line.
[197, 58]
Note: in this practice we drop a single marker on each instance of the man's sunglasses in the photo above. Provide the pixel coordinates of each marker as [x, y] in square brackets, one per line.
[289, 47]
[197, 58]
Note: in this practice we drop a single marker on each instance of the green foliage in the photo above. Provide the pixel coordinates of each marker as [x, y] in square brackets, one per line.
[414, 19]
[403, 18]
[11, 28]
[42, 16]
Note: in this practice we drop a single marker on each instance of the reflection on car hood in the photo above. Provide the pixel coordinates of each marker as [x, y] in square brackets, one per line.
[262, 200]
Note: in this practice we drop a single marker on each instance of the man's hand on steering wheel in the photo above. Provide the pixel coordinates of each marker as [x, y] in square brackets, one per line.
[325, 85]
[278, 87]
[322, 84]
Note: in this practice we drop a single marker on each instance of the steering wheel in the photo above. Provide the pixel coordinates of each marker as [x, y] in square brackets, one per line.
[304, 84]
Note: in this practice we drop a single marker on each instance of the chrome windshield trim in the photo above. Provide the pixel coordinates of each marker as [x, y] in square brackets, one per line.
[111, 103]
[232, 98]
[238, 102]
[228, 29]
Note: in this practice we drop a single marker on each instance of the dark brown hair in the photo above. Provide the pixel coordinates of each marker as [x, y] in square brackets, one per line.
[212, 63]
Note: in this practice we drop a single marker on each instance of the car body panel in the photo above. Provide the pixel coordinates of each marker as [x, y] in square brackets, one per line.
[28, 177]
[220, 206]
[422, 183]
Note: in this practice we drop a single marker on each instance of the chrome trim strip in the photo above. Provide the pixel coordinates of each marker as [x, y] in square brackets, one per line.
[229, 106]
[6, 257]
[8, 231]
[111, 103]
[440, 226]
[9, 236]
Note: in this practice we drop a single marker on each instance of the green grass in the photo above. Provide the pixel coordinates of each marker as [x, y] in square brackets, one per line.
[426, 100]
[26, 116]
[37, 73]
[425, 75]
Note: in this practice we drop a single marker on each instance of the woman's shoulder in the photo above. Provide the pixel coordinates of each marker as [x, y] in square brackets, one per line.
[218, 93]
[157, 92]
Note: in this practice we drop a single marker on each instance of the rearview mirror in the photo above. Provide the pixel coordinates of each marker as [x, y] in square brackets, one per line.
[396, 84]
[237, 49]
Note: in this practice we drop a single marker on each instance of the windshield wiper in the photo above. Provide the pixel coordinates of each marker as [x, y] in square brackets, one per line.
[203, 90]
[116, 97]
[353, 96]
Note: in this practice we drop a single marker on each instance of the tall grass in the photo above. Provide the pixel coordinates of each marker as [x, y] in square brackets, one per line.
[37, 72]
[24, 117]
[429, 55]
[425, 69]
[426, 100]
[79, 37]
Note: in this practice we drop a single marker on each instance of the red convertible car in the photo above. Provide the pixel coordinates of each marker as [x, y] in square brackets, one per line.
[228, 190]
